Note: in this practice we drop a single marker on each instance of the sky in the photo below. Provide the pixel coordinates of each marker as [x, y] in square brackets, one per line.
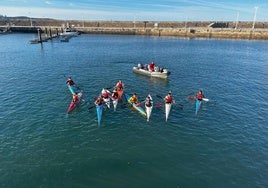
[139, 10]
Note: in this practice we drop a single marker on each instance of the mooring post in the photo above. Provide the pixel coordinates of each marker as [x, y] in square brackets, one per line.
[39, 35]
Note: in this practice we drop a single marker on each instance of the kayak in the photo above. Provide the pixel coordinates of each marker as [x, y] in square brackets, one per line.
[136, 106]
[73, 105]
[107, 100]
[72, 89]
[148, 111]
[167, 109]
[115, 102]
[99, 112]
[120, 94]
[197, 105]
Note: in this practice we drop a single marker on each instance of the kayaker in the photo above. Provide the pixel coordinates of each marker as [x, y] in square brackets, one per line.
[119, 85]
[148, 101]
[115, 94]
[105, 94]
[200, 95]
[168, 98]
[134, 98]
[75, 97]
[70, 82]
[99, 101]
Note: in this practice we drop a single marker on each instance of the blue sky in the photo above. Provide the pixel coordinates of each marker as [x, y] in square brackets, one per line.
[139, 10]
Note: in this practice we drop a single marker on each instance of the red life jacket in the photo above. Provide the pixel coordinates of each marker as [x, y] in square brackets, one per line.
[115, 95]
[75, 98]
[119, 85]
[168, 99]
[199, 96]
[105, 95]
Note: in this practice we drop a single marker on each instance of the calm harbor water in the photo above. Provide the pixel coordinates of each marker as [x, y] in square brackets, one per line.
[225, 145]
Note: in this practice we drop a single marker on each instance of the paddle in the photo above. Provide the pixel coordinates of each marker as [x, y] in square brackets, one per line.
[194, 97]
[91, 107]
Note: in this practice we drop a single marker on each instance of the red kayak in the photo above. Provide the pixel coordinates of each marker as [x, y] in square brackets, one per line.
[73, 105]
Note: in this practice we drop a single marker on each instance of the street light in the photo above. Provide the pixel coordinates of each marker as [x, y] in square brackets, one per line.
[254, 19]
[236, 20]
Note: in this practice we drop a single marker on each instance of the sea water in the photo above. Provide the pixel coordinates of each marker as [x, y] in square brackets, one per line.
[224, 145]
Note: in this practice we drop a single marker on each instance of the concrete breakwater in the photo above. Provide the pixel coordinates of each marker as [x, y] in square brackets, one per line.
[256, 34]
[225, 30]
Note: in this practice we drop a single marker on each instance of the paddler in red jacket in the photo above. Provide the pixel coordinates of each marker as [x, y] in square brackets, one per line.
[75, 98]
[115, 94]
[119, 85]
[168, 98]
[105, 94]
[200, 95]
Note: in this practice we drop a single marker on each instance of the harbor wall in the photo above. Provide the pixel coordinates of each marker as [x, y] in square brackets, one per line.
[225, 30]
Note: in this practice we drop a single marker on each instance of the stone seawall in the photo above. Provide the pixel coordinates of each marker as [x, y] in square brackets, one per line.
[225, 30]
[256, 34]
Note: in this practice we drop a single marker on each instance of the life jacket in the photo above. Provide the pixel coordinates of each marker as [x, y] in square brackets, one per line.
[75, 98]
[105, 95]
[168, 99]
[151, 67]
[119, 85]
[199, 96]
[133, 99]
[115, 95]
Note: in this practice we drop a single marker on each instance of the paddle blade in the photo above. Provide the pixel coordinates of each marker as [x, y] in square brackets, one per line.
[191, 97]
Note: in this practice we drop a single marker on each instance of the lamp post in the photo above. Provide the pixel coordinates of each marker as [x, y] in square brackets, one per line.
[236, 20]
[254, 19]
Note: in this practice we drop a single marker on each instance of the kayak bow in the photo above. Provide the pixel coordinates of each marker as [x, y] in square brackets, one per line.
[167, 109]
[99, 112]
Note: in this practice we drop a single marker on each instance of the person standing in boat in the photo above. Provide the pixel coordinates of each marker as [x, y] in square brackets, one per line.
[133, 98]
[151, 66]
[70, 82]
[119, 85]
[168, 98]
[199, 95]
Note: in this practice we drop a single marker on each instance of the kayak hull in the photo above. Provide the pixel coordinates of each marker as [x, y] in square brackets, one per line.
[148, 111]
[73, 105]
[115, 102]
[99, 113]
[197, 105]
[167, 109]
[71, 89]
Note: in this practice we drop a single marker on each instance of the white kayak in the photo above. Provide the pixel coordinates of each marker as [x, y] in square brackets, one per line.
[115, 102]
[167, 109]
[148, 109]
